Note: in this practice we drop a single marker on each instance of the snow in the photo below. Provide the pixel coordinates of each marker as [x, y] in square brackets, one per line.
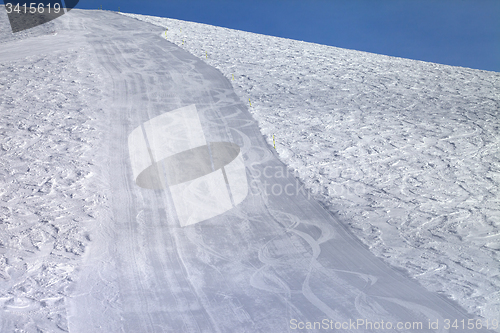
[50, 197]
[405, 152]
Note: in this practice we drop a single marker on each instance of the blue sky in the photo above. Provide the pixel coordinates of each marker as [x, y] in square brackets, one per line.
[453, 32]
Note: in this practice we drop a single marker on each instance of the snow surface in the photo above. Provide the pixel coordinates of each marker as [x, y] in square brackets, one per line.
[405, 152]
[51, 195]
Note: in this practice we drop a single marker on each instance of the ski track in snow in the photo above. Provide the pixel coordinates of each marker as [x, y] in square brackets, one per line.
[405, 152]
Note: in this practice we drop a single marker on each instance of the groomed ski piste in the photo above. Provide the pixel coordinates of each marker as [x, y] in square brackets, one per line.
[379, 202]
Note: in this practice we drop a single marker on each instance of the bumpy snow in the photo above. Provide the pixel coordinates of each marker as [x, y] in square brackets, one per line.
[405, 152]
[50, 197]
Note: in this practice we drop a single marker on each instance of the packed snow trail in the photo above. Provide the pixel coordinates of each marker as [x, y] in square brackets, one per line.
[276, 260]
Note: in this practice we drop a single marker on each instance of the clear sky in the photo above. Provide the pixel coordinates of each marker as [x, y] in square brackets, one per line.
[453, 32]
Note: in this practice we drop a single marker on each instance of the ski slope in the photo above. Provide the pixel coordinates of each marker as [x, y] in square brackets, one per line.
[405, 152]
[84, 248]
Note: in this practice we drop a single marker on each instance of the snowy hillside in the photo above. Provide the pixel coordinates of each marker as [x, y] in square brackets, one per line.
[406, 152]
[126, 162]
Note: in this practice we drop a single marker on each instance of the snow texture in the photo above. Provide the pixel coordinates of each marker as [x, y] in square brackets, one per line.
[405, 152]
[50, 192]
